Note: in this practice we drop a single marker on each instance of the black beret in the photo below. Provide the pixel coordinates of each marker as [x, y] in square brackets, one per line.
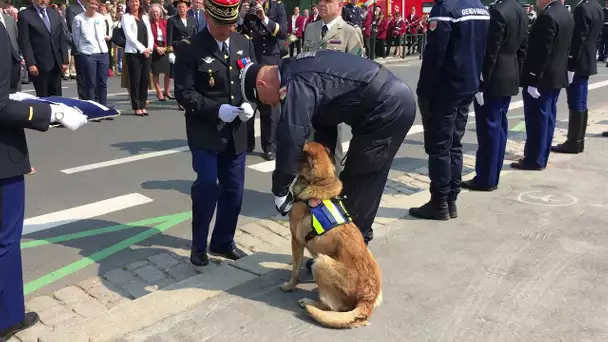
[248, 77]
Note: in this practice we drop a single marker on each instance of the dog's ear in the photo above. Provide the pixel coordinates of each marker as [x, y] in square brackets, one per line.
[329, 153]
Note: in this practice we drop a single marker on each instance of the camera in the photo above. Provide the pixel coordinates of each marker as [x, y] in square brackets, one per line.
[252, 4]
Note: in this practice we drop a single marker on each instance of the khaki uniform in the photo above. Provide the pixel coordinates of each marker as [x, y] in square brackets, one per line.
[344, 37]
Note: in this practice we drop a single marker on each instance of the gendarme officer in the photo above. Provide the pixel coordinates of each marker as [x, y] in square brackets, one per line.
[266, 24]
[352, 13]
[14, 163]
[207, 85]
[588, 22]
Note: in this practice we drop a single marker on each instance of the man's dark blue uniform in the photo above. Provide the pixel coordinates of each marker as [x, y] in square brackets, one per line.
[603, 45]
[544, 74]
[449, 78]
[267, 39]
[320, 90]
[505, 54]
[588, 22]
[351, 13]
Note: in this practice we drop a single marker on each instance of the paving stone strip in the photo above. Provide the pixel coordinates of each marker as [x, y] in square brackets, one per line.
[98, 298]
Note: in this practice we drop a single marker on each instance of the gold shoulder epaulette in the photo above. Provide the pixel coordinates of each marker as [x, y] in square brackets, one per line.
[247, 36]
[186, 40]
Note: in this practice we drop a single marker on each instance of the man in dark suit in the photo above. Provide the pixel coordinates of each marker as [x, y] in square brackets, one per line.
[266, 24]
[544, 74]
[11, 27]
[505, 53]
[351, 13]
[44, 47]
[14, 163]
[207, 85]
[588, 22]
[71, 12]
[198, 14]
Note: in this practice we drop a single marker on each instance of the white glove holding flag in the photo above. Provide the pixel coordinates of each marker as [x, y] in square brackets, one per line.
[21, 96]
[69, 117]
[533, 92]
[283, 204]
[570, 76]
[246, 112]
[171, 58]
[228, 113]
[479, 98]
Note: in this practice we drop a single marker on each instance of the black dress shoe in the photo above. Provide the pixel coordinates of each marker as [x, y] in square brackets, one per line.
[30, 319]
[605, 134]
[473, 186]
[433, 210]
[199, 258]
[269, 156]
[520, 165]
[234, 254]
[452, 209]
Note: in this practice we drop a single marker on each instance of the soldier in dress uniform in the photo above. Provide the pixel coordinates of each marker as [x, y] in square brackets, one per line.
[207, 85]
[544, 74]
[505, 53]
[352, 13]
[588, 22]
[333, 33]
[266, 24]
[15, 117]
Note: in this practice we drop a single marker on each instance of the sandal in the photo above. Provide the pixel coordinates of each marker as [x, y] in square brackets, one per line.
[169, 96]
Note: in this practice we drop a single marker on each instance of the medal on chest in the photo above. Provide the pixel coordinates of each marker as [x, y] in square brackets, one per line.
[211, 79]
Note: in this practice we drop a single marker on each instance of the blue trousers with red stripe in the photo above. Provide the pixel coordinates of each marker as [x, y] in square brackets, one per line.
[12, 209]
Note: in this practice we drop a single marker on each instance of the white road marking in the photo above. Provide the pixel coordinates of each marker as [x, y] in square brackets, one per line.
[124, 160]
[83, 212]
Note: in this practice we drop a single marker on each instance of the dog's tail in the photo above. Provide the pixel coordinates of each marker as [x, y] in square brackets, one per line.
[350, 319]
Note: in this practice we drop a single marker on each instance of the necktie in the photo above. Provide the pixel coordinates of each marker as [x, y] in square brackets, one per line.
[324, 31]
[45, 18]
[226, 52]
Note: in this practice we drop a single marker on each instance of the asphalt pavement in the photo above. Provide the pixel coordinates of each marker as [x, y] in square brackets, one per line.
[137, 168]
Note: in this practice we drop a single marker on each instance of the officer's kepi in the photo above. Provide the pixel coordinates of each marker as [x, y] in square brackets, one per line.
[249, 74]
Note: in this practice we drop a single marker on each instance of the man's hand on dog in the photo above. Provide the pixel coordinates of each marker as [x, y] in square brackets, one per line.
[283, 204]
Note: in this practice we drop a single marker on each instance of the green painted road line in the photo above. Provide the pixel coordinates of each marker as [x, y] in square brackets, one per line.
[98, 231]
[170, 221]
[520, 127]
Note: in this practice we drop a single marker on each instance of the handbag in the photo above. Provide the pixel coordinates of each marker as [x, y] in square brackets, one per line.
[118, 37]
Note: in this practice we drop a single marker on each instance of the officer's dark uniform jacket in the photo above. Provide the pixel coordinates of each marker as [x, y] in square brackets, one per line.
[605, 29]
[204, 80]
[351, 14]
[14, 118]
[325, 88]
[505, 49]
[548, 49]
[456, 42]
[588, 22]
[266, 38]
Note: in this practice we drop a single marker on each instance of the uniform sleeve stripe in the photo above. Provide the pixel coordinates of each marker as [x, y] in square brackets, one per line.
[276, 29]
[457, 20]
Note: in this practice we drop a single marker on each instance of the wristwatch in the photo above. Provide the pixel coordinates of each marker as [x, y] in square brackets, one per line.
[58, 116]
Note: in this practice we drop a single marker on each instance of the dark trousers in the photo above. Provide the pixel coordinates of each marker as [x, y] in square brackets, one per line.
[139, 79]
[95, 68]
[492, 128]
[81, 77]
[444, 128]
[603, 49]
[297, 45]
[48, 83]
[540, 117]
[577, 93]
[380, 47]
[12, 209]
[220, 180]
[15, 82]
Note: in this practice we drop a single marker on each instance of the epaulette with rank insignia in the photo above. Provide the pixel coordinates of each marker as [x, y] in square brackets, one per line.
[247, 36]
[353, 24]
[186, 40]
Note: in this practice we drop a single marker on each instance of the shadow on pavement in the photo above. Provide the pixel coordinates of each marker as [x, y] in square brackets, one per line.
[136, 147]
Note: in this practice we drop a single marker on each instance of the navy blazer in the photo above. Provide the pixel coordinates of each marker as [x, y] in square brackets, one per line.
[202, 22]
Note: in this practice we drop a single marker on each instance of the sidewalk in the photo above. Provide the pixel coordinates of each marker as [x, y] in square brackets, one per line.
[526, 262]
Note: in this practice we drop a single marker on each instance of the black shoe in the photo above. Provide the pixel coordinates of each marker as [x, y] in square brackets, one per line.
[520, 165]
[605, 134]
[573, 143]
[234, 254]
[198, 258]
[452, 209]
[31, 318]
[309, 263]
[433, 210]
[269, 156]
[473, 186]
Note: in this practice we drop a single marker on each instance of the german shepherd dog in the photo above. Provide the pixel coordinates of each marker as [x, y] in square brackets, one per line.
[346, 273]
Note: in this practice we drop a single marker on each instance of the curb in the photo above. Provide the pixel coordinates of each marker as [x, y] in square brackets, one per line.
[393, 60]
[274, 253]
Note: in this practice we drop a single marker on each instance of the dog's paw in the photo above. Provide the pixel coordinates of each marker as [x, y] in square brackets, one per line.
[305, 301]
[288, 286]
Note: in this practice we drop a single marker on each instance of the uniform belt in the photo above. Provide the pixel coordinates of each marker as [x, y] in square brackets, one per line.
[370, 97]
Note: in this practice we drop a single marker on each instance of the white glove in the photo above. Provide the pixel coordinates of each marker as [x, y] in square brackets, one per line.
[228, 113]
[283, 204]
[21, 96]
[247, 112]
[570, 76]
[172, 58]
[70, 117]
[479, 98]
[533, 92]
